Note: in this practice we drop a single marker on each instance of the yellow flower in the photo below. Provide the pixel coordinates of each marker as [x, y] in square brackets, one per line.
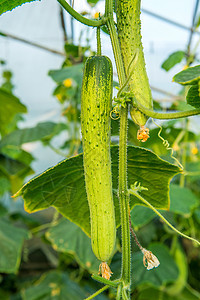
[67, 82]
[194, 150]
[59, 97]
[150, 261]
[96, 15]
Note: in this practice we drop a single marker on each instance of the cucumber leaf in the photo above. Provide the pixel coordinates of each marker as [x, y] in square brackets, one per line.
[6, 5]
[172, 60]
[189, 76]
[193, 96]
[63, 186]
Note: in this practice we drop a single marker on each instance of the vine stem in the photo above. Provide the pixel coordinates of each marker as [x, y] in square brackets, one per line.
[79, 17]
[161, 216]
[123, 192]
[166, 116]
[98, 292]
[98, 41]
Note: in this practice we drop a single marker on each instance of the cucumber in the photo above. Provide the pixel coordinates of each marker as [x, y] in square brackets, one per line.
[129, 33]
[96, 98]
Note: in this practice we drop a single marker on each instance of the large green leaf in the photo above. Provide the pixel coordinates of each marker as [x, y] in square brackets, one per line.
[172, 60]
[183, 200]
[54, 285]
[63, 186]
[188, 76]
[6, 5]
[11, 242]
[193, 96]
[67, 237]
[9, 107]
[41, 131]
[75, 72]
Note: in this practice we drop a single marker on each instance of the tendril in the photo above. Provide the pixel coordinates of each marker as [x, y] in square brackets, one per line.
[167, 145]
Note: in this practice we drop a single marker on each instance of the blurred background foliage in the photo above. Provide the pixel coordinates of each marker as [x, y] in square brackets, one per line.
[45, 256]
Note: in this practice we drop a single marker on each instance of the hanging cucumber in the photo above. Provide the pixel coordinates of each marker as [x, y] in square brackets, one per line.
[96, 105]
[129, 32]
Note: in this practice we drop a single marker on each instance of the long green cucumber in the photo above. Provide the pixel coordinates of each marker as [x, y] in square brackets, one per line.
[129, 33]
[96, 105]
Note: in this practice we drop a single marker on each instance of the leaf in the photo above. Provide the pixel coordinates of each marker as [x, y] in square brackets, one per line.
[63, 186]
[189, 76]
[152, 293]
[141, 215]
[18, 154]
[166, 272]
[11, 241]
[6, 5]
[4, 184]
[75, 72]
[41, 131]
[15, 172]
[172, 60]
[54, 285]
[183, 200]
[92, 2]
[193, 96]
[9, 107]
[182, 264]
[67, 237]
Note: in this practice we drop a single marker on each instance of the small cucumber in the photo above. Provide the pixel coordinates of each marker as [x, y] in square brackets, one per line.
[129, 32]
[96, 105]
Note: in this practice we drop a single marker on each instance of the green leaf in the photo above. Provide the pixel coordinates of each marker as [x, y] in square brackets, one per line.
[41, 131]
[189, 76]
[4, 184]
[141, 215]
[18, 154]
[6, 5]
[193, 96]
[152, 293]
[11, 242]
[15, 172]
[172, 60]
[92, 2]
[9, 107]
[54, 285]
[183, 201]
[75, 72]
[181, 261]
[166, 272]
[67, 237]
[63, 186]
[3, 211]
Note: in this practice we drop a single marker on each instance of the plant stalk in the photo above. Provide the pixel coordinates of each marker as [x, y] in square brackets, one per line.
[123, 193]
[79, 17]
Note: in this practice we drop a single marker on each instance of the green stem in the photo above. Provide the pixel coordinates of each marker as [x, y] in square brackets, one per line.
[98, 292]
[79, 17]
[98, 41]
[123, 194]
[166, 116]
[161, 216]
[105, 281]
[184, 153]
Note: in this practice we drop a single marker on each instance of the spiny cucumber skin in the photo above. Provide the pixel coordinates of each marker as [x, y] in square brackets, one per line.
[96, 105]
[129, 32]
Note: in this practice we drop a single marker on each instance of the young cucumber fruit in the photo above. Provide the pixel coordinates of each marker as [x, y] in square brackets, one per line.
[96, 104]
[129, 32]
